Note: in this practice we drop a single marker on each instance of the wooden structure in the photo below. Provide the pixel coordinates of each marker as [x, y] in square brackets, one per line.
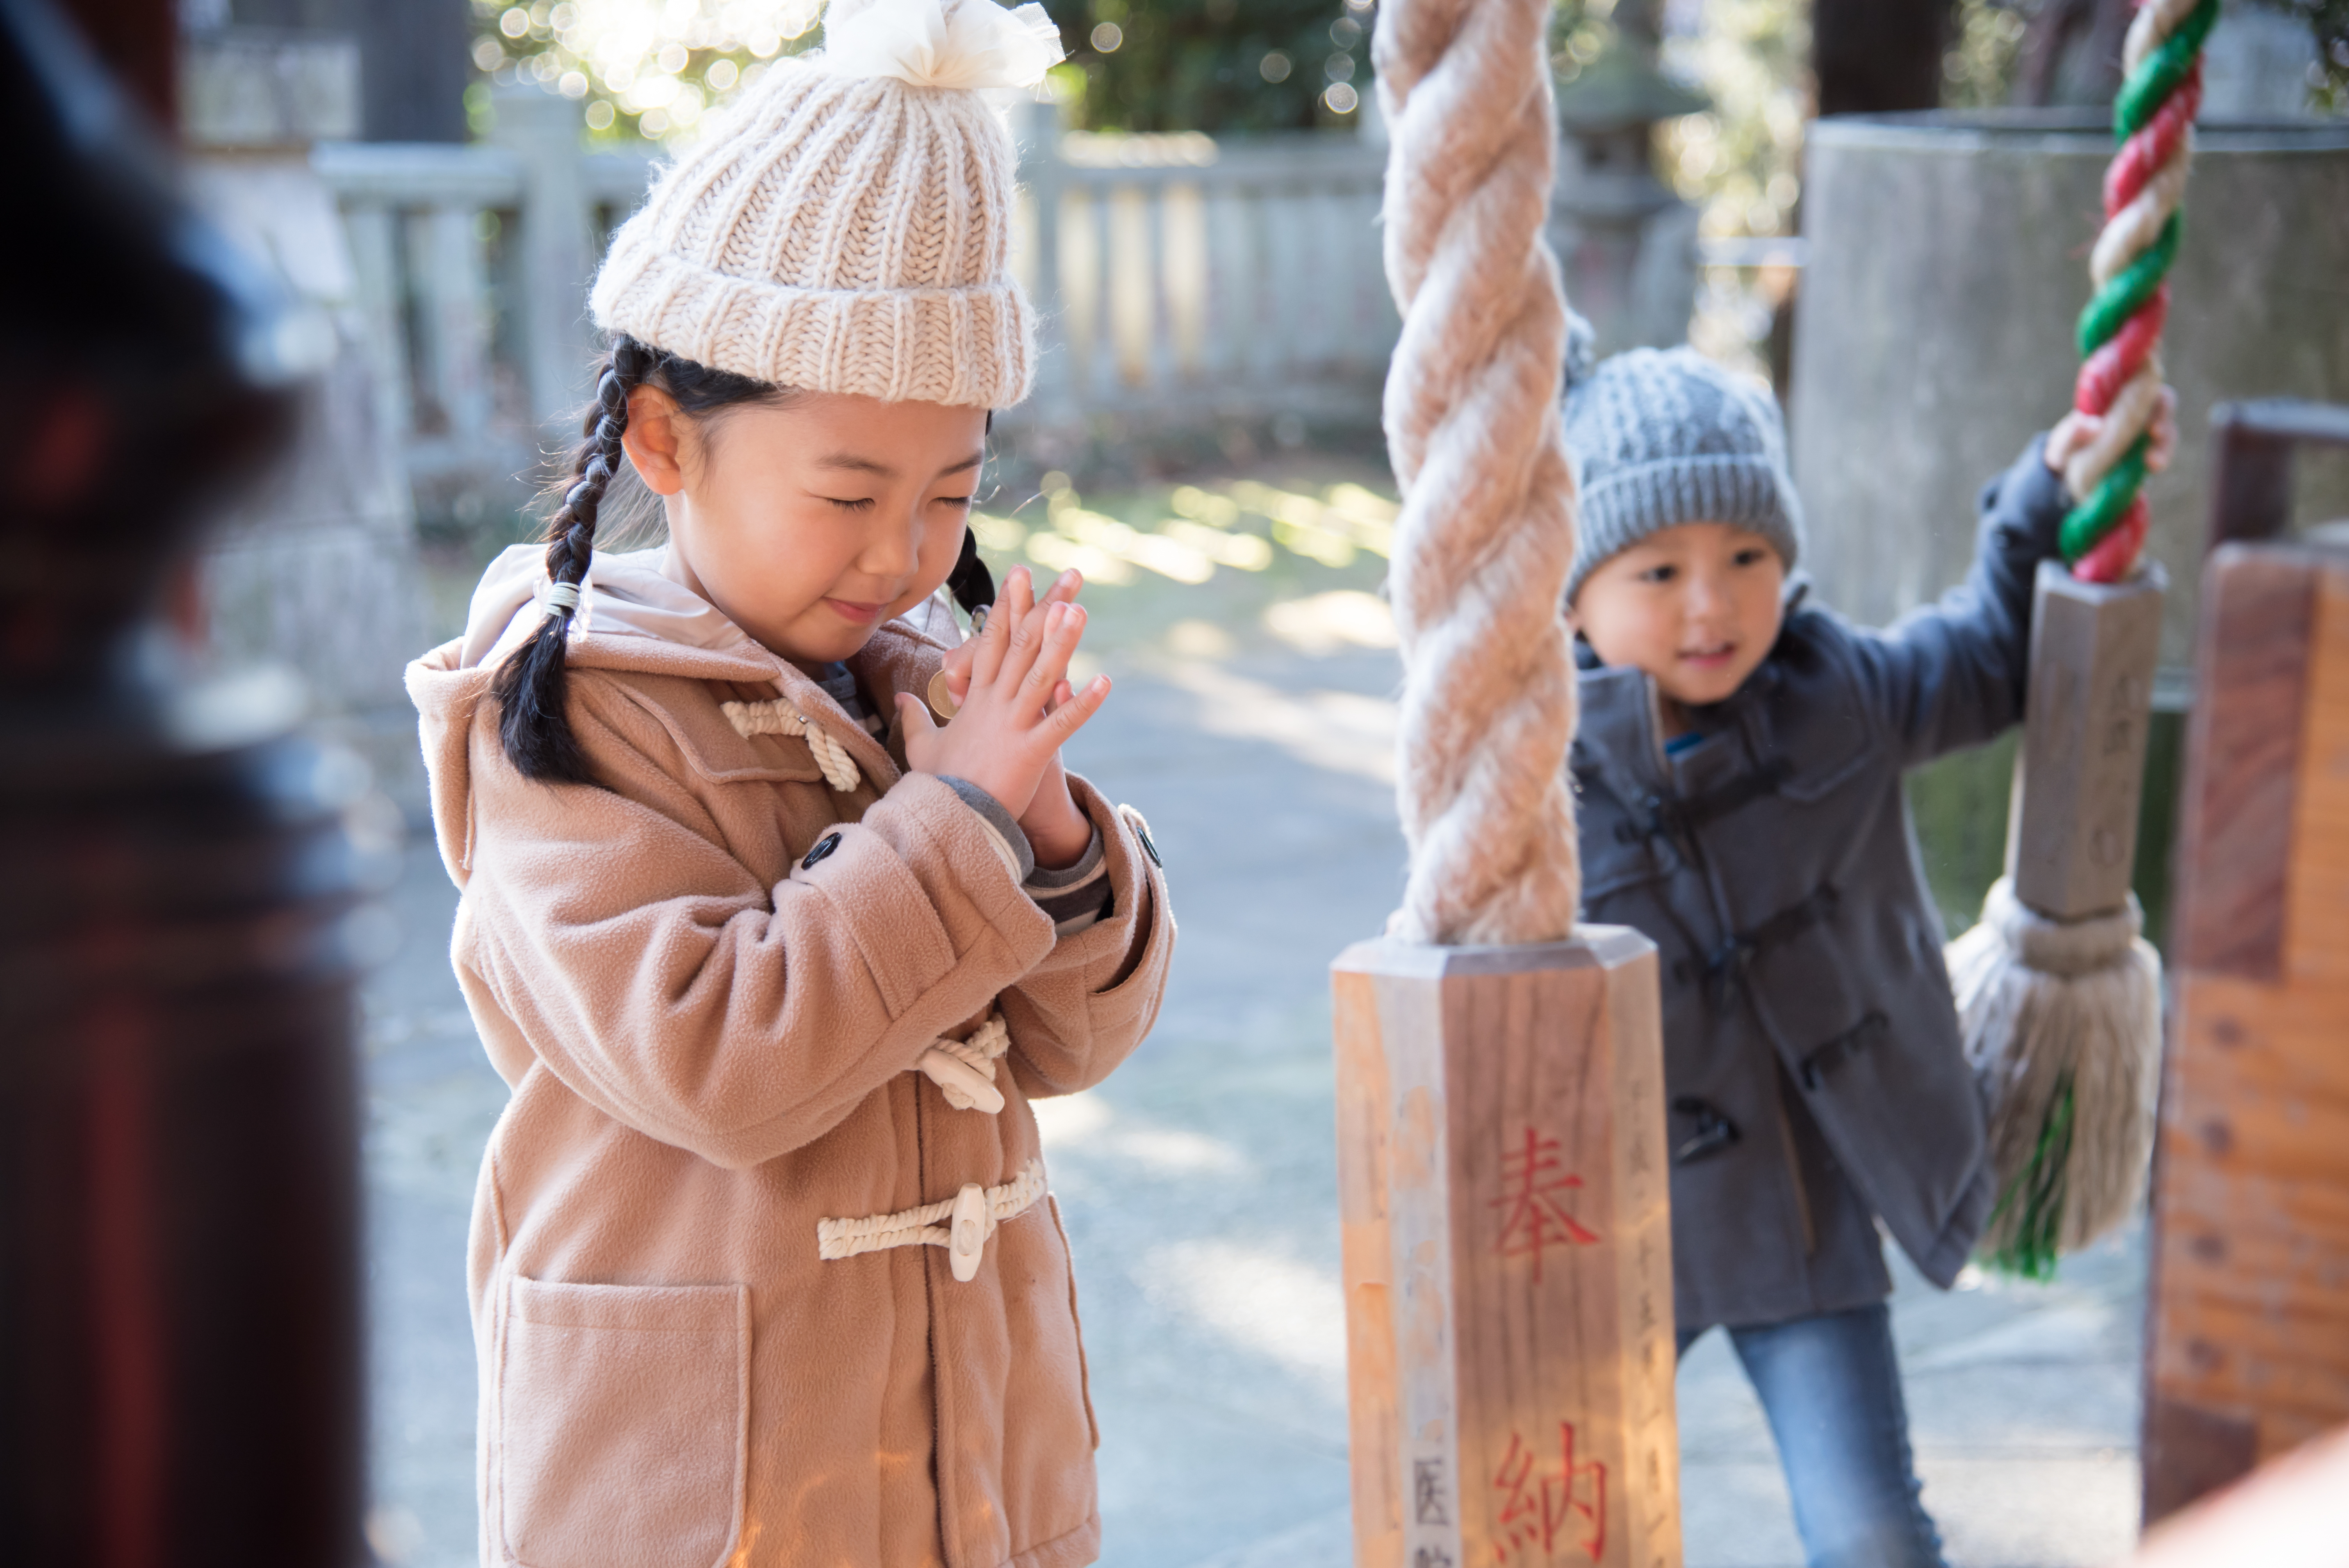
[2071, 835]
[1508, 1255]
[2248, 1343]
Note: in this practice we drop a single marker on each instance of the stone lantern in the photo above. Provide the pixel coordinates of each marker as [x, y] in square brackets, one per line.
[1626, 243]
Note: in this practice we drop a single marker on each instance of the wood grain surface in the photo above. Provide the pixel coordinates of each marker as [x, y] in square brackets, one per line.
[2248, 1352]
[1508, 1255]
[2080, 771]
[2242, 760]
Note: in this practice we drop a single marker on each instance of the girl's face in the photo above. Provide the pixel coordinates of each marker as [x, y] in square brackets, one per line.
[1696, 606]
[810, 523]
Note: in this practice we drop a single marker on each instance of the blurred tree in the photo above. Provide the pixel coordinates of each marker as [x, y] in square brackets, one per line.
[653, 66]
[638, 68]
[2045, 51]
[413, 67]
[1216, 65]
[1878, 56]
[1741, 161]
[1985, 48]
[135, 39]
[2329, 20]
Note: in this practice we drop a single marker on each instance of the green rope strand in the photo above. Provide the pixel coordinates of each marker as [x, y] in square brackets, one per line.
[2039, 1188]
[2096, 515]
[2128, 289]
[2157, 75]
[2160, 75]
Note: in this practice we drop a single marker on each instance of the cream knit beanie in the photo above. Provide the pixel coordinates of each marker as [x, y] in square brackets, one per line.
[847, 227]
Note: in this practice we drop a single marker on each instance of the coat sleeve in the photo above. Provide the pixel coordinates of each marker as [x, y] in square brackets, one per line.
[663, 983]
[1086, 1005]
[1952, 674]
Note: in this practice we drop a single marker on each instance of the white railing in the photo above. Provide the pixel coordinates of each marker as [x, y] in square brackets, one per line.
[1181, 276]
[1176, 276]
[472, 264]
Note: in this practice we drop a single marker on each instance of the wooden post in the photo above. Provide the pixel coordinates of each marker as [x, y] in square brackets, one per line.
[1508, 1250]
[2247, 1349]
[2072, 833]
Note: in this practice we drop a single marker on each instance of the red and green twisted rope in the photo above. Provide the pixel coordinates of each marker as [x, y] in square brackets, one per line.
[2120, 330]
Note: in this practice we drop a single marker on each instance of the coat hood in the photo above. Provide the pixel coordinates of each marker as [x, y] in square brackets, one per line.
[630, 618]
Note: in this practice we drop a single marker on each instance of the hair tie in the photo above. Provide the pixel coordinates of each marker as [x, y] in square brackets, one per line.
[562, 599]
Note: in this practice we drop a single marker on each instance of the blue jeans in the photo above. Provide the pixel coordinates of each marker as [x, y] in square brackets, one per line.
[1831, 1388]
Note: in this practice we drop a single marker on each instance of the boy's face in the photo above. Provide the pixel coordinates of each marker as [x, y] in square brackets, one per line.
[1696, 606]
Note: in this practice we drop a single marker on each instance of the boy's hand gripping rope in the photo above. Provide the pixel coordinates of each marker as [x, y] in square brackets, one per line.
[2119, 331]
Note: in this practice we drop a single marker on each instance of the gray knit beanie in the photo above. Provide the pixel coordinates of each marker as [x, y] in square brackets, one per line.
[1663, 436]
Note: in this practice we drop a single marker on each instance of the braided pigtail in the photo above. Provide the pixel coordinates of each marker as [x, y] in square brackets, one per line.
[532, 686]
[970, 582]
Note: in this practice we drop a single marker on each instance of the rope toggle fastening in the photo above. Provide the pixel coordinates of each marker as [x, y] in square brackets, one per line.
[964, 1070]
[972, 1215]
[777, 716]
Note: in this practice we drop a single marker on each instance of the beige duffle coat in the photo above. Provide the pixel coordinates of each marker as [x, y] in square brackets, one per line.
[709, 1037]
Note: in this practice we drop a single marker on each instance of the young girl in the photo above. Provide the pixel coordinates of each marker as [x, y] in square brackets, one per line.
[764, 1267]
[1738, 761]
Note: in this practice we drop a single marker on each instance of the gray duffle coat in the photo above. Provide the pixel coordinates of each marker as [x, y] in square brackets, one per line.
[1812, 1067]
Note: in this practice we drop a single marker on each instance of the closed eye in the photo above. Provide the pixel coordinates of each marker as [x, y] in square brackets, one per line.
[862, 504]
[954, 500]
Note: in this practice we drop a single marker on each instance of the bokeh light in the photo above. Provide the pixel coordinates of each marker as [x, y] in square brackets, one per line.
[652, 67]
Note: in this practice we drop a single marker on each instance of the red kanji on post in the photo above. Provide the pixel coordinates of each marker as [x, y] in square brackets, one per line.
[1536, 1219]
[1545, 1510]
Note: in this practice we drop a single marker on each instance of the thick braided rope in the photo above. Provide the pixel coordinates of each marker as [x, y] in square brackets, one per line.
[777, 716]
[2120, 330]
[1485, 538]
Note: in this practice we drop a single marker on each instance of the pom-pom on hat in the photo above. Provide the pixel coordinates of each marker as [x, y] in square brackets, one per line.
[846, 226]
[1663, 436]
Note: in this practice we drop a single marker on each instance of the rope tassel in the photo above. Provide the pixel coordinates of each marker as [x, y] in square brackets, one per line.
[2061, 1021]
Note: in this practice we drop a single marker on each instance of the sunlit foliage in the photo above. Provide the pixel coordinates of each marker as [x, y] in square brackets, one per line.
[1216, 65]
[653, 67]
[649, 67]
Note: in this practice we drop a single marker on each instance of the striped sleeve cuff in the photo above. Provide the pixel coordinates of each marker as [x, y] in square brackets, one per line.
[1078, 896]
[1009, 842]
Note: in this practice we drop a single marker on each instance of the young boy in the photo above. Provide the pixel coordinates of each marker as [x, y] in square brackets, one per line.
[1738, 762]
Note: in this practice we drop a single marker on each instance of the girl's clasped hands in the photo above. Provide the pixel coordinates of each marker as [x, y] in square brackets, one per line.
[1017, 708]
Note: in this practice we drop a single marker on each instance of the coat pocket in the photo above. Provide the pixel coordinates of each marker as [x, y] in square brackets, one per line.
[623, 1424]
